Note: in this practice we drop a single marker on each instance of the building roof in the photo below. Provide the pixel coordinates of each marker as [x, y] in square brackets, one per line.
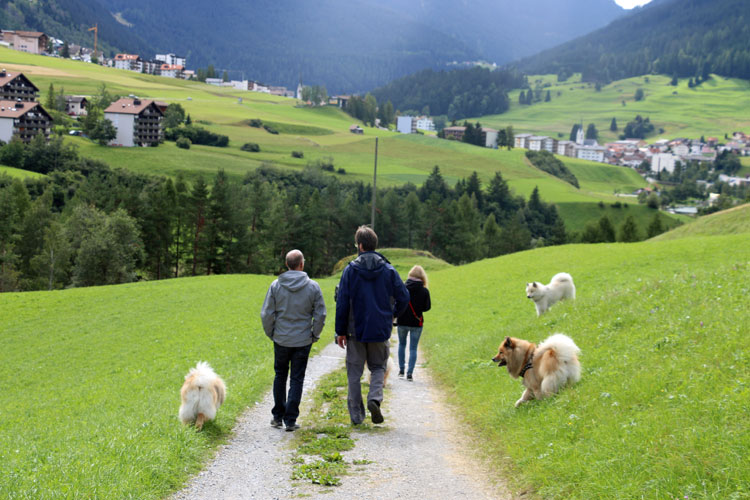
[126, 57]
[75, 98]
[127, 106]
[6, 78]
[455, 129]
[167, 67]
[16, 109]
[31, 34]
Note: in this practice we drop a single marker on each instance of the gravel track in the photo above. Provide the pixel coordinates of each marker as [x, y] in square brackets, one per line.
[424, 453]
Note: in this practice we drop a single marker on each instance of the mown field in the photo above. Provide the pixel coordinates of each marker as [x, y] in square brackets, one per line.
[319, 133]
[91, 381]
[718, 106]
[660, 411]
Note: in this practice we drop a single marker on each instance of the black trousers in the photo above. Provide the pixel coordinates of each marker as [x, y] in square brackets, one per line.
[286, 359]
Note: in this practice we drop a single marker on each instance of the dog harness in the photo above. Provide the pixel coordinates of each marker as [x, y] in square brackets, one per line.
[527, 366]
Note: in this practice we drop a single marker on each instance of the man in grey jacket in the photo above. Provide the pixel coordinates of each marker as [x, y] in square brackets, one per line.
[293, 316]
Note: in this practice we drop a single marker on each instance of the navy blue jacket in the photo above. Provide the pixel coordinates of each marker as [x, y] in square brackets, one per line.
[367, 285]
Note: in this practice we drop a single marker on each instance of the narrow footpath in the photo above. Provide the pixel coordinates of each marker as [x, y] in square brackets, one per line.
[424, 453]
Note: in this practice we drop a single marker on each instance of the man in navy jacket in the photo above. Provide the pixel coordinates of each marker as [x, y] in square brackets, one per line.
[371, 294]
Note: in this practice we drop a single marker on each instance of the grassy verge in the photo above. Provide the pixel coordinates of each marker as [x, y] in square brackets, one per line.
[91, 381]
[661, 408]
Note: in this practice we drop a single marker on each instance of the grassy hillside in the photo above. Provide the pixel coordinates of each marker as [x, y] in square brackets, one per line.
[660, 411]
[718, 106]
[16, 172]
[320, 133]
[732, 221]
[96, 412]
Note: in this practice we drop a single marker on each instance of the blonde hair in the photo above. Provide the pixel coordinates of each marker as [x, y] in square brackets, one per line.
[418, 272]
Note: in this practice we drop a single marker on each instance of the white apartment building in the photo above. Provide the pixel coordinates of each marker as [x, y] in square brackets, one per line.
[663, 161]
[425, 123]
[406, 125]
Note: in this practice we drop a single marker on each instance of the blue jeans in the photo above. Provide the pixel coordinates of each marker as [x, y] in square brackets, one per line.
[403, 331]
[286, 408]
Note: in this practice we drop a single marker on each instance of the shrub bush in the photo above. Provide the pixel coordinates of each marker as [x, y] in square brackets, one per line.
[183, 143]
[251, 147]
[197, 135]
[298, 154]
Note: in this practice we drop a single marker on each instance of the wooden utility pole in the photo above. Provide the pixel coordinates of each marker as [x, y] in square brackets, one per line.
[95, 29]
[374, 185]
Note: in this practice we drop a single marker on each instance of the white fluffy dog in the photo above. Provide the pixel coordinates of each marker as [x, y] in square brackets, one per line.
[544, 296]
[202, 394]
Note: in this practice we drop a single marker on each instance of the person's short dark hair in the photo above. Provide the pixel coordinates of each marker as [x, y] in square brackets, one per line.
[294, 258]
[368, 238]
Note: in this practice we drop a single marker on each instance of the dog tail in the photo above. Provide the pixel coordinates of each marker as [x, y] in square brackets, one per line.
[562, 365]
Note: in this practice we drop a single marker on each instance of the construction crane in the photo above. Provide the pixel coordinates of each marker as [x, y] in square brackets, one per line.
[95, 29]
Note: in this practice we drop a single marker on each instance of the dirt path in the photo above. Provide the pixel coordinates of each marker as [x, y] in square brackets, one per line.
[423, 454]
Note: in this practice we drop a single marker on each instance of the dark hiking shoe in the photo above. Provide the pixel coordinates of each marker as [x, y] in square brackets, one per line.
[374, 407]
[401, 373]
[410, 378]
[276, 423]
[292, 428]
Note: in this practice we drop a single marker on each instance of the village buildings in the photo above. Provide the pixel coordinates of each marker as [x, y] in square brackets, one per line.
[33, 42]
[16, 87]
[23, 119]
[20, 115]
[138, 122]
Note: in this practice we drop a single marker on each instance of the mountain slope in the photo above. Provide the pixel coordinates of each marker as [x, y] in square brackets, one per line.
[70, 20]
[678, 37]
[352, 46]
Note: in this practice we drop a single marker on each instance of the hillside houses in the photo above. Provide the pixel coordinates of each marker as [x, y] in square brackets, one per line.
[20, 115]
[661, 155]
[138, 122]
[16, 87]
[33, 42]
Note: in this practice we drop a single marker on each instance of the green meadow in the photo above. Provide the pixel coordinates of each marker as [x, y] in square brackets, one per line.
[716, 107]
[18, 173]
[91, 382]
[731, 221]
[661, 408]
[92, 375]
[319, 133]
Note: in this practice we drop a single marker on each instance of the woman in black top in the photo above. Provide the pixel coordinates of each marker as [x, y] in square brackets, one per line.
[411, 321]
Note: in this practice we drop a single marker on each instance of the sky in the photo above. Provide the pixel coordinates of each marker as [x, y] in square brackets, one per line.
[629, 4]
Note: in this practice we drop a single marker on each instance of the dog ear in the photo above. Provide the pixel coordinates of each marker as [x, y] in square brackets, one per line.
[508, 343]
[534, 285]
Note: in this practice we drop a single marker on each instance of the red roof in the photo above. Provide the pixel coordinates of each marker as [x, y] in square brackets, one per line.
[15, 109]
[130, 106]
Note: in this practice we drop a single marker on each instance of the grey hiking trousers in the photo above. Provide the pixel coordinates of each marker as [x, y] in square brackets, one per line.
[376, 355]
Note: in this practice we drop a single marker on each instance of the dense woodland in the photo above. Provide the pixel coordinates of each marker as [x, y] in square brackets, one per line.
[685, 38]
[457, 94]
[86, 224]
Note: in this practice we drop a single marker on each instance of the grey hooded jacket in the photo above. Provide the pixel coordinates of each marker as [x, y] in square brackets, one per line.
[294, 312]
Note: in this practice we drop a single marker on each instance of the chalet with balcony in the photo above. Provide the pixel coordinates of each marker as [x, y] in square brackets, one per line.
[75, 105]
[23, 119]
[457, 132]
[15, 86]
[138, 122]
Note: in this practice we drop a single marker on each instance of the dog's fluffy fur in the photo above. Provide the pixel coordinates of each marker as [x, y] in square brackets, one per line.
[544, 296]
[202, 394]
[554, 364]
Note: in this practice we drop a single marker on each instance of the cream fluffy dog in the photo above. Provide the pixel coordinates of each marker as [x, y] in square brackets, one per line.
[544, 296]
[202, 394]
[544, 369]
